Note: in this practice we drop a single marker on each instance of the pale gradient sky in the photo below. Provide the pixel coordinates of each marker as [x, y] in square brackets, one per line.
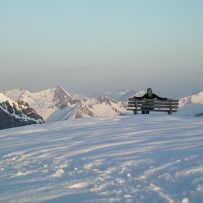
[95, 45]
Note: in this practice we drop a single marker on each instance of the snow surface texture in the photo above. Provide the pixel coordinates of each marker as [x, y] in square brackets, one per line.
[126, 159]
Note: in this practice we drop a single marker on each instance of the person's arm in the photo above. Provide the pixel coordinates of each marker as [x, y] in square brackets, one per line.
[159, 98]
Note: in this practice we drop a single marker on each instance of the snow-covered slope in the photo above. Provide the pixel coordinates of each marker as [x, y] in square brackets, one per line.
[90, 107]
[13, 114]
[107, 107]
[4, 98]
[126, 159]
[191, 105]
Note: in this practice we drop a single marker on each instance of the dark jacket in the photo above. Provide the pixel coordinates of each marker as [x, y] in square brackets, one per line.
[154, 96]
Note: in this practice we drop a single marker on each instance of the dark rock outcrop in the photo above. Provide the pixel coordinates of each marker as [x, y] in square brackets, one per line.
[17, 114]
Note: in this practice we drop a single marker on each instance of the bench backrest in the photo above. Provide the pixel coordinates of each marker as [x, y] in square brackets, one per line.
[153, 105]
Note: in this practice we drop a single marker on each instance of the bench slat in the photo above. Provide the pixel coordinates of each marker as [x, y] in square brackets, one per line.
[153, 102]
[157, 107]
[168, 106]
[171, 100]
[155, 110]
[154, 105]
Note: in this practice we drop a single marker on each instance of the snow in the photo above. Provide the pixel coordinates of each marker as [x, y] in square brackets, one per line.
[90, 107]
[193, 99]
[40, 101]
[59, 114]
[12, 103]
[16, 94]
[153, 158]
[106, 110]
[191, 105]
[3, 98]
[47, 104]
[190, 109]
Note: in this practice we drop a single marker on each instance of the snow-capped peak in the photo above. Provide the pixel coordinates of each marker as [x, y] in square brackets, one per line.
[61, 96]
[17, 94]
[106, 100]
[45, 102]
[196, 98]
[4, 98]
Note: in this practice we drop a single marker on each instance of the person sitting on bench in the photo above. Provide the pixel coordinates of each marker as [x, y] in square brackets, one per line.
[149, 95]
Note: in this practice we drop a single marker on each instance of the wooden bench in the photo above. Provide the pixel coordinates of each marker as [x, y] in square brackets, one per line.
[168, 106]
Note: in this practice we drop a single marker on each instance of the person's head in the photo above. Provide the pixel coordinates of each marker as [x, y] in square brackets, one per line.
[149, 92]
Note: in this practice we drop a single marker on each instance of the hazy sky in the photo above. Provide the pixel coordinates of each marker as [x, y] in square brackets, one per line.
[95, 45]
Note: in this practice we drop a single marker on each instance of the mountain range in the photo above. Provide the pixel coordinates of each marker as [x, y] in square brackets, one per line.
[56, 104]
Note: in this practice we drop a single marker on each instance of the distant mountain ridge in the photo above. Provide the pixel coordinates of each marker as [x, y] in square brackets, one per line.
[44, 102]
[122, 95]
[57, 104]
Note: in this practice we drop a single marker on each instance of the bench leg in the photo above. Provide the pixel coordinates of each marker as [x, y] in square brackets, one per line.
[135, 112]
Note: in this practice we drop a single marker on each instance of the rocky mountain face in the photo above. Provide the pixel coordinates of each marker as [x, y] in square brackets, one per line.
[14, 114]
